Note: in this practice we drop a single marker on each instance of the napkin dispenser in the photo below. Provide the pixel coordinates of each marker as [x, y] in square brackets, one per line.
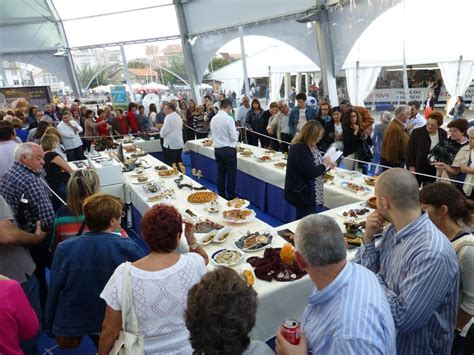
[109, 173]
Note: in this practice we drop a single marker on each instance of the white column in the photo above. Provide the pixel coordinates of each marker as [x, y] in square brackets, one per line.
[287, 85]
[306, 82]
[244, 61]
[298, 83]
[3, 74]
[126, 73]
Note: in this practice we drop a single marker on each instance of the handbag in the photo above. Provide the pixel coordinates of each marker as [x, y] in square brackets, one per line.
[363, 151]
[128, 342]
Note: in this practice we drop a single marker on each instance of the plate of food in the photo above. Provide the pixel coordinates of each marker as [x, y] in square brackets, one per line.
[207, 142]
[353, 226]
[370, 180]
[142, 179]
[206, 226]
[227, 257]
[328, 177]
[168, 194]
[168, 173]
[202, 197]
[248, 274]
[237, 203]
[238, 215]
[353, 240]
[355, 187]
[246, 152]
[270, 151]
[280, 165]
[288, 235]
[223, 235]
[254, 241]
[208, 238]
[361, 212]
[264, 159]
[161, 167]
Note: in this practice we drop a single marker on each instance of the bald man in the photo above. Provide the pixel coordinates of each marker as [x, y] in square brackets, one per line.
[414, 263]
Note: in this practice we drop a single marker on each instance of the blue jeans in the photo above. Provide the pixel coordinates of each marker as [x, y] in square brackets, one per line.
[31, 289]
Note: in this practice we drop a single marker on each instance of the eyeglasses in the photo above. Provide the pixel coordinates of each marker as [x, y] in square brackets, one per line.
[123, 214]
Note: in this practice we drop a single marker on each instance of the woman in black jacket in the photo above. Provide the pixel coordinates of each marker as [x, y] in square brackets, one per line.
[252, 122]
[352, 137]
[306, 166]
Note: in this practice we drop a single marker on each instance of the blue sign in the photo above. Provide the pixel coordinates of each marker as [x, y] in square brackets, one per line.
[119, 95]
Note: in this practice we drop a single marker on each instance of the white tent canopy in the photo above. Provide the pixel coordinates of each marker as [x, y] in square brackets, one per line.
[280, 58]
[434, 31]
[273, 61]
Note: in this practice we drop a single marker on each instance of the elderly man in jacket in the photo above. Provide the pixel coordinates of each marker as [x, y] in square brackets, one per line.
[395, 139]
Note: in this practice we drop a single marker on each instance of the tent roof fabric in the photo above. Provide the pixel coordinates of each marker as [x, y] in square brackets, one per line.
[277, 59]
[381, 44]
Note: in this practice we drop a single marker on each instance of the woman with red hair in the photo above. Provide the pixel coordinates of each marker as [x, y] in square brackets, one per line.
[159, 285]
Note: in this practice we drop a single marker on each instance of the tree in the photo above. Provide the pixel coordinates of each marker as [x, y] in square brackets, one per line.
[86, 73]
[136, 65]
[217, 63]
[176, 65]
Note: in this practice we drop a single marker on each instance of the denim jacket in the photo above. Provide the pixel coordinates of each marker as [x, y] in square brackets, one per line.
[81, 268]
[310, 114]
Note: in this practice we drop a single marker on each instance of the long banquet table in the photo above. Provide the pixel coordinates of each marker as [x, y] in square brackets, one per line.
[263, 183]
[276, 300]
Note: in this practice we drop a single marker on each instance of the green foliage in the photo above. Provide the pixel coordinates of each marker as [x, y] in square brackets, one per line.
[217, 63]
[137, 65]
[176, 65]
[85, 74]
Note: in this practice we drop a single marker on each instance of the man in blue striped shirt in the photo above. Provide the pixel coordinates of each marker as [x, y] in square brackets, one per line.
[415, 264]
[348, 312]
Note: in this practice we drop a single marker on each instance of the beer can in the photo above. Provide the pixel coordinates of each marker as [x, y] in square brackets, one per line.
[291, 331]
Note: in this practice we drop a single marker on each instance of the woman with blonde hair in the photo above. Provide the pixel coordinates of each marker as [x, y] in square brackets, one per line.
[305, 169]
[59, 148]
[69, 220]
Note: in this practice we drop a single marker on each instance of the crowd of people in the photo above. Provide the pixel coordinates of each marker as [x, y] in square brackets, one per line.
[410, 293]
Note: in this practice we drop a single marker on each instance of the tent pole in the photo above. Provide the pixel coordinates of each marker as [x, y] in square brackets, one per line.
[126, 73]
[356, 84]
[244, 61]
[456, 92]
[405, 73]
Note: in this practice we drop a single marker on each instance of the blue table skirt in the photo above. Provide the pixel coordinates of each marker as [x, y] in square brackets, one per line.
[277, 205]
[267, 197]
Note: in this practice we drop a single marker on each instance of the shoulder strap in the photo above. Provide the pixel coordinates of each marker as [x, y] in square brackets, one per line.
[127, 300]
[81, 229]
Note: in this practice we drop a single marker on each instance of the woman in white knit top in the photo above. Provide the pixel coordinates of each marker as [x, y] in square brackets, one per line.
[452, 213]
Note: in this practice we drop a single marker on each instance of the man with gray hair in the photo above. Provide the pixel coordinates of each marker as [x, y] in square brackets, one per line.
[395, 139]
[279, 126]
[347, 311]
[415, 265]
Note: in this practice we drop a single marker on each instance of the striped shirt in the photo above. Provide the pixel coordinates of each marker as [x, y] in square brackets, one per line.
[418, 270]
[349, 316]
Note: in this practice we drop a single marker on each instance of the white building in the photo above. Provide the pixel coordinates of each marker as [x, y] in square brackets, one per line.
[17, 74]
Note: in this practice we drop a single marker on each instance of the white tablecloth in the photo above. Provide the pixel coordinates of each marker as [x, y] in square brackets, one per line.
[276, 300]
[334, 194]
[150, 146]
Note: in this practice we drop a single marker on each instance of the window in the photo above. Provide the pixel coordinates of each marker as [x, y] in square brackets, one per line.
[16, 82]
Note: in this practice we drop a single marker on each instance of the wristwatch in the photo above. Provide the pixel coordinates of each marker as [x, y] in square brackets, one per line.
[193, 246]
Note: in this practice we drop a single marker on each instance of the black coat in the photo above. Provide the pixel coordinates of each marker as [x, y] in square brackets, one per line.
[419, 148]
[300, 174]
[351, 141]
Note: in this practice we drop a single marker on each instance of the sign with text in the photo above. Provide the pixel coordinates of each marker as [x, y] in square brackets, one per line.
[35, 95]
[119, 96]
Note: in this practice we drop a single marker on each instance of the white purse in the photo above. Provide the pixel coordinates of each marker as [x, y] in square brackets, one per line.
[128, 342]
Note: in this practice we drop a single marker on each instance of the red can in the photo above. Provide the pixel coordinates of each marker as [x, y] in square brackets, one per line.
[291, 331]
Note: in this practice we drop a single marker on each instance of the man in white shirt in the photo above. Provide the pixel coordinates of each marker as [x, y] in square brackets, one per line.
[172, 134]
[415, 120]
[242, 112]
[69, 130]
[225, 136]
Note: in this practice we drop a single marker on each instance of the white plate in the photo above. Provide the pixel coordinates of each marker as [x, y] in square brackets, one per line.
[255, 249]
[137, 175]
[223, 231]
[240, 255]
[136, 182]
[344, 185]
[249, 218]
[245, 205]
[208, 238]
